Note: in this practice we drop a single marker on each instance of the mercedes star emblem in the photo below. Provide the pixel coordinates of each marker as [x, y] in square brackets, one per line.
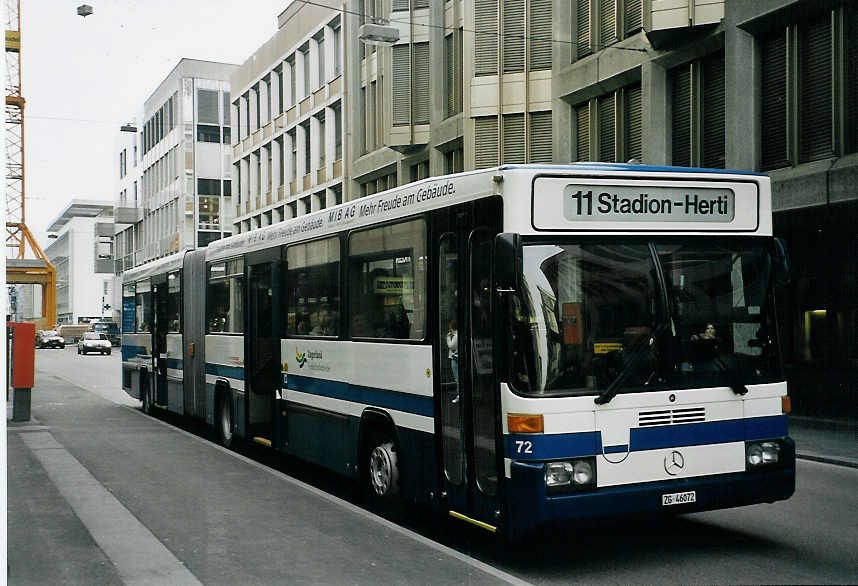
[674, 462]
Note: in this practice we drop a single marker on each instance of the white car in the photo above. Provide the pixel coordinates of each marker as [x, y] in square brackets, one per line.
[49, 339]
[93, 342]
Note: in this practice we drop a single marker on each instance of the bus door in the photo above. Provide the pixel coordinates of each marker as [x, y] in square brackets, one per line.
[262, 345]
[159, 339]
[468, 392]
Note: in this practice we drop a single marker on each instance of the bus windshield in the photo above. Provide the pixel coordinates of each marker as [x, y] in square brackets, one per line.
[643, 315]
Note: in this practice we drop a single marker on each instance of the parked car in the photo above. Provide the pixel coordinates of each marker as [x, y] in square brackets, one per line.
[49, 339]
[93, 342]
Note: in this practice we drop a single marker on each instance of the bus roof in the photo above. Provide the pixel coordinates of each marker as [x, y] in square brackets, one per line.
[626, 167]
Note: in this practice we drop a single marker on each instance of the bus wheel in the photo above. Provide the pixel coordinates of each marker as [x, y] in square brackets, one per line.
[383, 468]
[224, 420]
[146, 399]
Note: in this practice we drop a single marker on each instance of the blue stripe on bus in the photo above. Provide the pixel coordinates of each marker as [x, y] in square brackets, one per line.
[417, 404]
[174, 363]
[589, 443]
[236, 372]
[129, 352]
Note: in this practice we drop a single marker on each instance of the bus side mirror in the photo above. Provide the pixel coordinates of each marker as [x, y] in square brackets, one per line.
[780, 262]
[507, 263]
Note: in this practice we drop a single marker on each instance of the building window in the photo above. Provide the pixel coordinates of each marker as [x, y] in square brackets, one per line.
[420, 170]
[454, 161]
[599, 23]
[812, 117]
[123, 164]
[320, 43]
[338, 131]
[608, 128]
[485, 142]
[207, 107]
[338, 66]
[227, 135]
[208, 133]
[208, 209]
[208, 186]
[453, 71]
[486, 37]
[698, 114]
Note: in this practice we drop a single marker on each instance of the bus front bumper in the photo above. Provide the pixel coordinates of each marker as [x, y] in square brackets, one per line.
[527, 485]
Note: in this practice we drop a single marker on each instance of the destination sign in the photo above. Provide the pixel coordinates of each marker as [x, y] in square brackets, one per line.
[641, 204]
[646, 203]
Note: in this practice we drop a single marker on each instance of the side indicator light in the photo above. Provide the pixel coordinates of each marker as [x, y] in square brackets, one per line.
[786, 404]
[525, 423]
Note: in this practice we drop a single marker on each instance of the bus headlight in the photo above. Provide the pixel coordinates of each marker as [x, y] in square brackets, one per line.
[558, 474]
[762, 453]
[578, 473]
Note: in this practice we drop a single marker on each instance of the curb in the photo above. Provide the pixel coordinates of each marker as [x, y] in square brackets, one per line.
[828, 460]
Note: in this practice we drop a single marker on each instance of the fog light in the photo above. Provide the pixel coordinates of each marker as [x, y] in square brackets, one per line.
[755, 454]
[558, 473]
[771, 452]
[583, 472]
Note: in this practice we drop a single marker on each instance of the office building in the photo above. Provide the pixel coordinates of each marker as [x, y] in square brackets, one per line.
[174, 183]
[81, 250]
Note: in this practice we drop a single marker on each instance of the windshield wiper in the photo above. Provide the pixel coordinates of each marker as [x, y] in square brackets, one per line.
[633, 362]
[736, 385]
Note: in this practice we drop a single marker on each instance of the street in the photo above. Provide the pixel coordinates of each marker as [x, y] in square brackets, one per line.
[188, 506]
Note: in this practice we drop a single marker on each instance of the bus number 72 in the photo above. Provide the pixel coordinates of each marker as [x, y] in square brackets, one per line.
[523, 446]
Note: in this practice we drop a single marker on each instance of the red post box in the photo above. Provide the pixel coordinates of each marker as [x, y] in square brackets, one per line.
[23, 368]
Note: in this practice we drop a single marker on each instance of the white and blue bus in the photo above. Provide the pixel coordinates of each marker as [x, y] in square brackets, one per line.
[516, 347]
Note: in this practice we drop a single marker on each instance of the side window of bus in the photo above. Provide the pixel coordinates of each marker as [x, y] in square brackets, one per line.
[128, 308]
[143, 307]
[313, 288]
[225, 297]
[174, 302]
[387, 282]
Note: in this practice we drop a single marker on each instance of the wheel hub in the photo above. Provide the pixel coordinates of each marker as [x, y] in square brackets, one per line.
[380, 471]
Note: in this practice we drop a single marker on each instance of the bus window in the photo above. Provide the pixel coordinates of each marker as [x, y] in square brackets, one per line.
[128, 310]
[313, 288]
[225, 297]
[143, 307]
[174, 302]
[387, 277]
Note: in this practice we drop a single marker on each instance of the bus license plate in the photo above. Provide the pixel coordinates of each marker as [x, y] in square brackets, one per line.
[679, 498]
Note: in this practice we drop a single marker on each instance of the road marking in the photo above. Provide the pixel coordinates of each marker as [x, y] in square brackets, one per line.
[490, 570]
[139, 557]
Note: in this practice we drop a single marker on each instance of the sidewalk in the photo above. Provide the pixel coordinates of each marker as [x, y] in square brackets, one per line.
[99, 493]
[834, 441]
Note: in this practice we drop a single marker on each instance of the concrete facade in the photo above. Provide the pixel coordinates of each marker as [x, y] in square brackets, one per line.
[174, 183]
[287, 107]
[81, 250]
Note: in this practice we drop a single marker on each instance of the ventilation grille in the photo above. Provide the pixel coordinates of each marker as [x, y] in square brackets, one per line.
[672, 416]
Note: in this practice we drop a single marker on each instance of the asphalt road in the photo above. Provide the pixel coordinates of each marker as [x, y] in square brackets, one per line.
[811, 538]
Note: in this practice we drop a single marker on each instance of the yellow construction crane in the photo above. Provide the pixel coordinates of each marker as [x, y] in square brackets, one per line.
[20, 269]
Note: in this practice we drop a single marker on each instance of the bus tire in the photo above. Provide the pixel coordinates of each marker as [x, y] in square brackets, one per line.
[382, 463]
[145, 394]
[223, 419]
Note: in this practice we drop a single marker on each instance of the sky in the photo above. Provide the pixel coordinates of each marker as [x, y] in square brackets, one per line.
[85, 77]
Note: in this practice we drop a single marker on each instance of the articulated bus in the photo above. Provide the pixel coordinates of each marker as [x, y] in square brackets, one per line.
[515, 347]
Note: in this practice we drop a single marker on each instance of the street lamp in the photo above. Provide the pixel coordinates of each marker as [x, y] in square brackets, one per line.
[84, 10]
[378, 34]
[129, 127]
